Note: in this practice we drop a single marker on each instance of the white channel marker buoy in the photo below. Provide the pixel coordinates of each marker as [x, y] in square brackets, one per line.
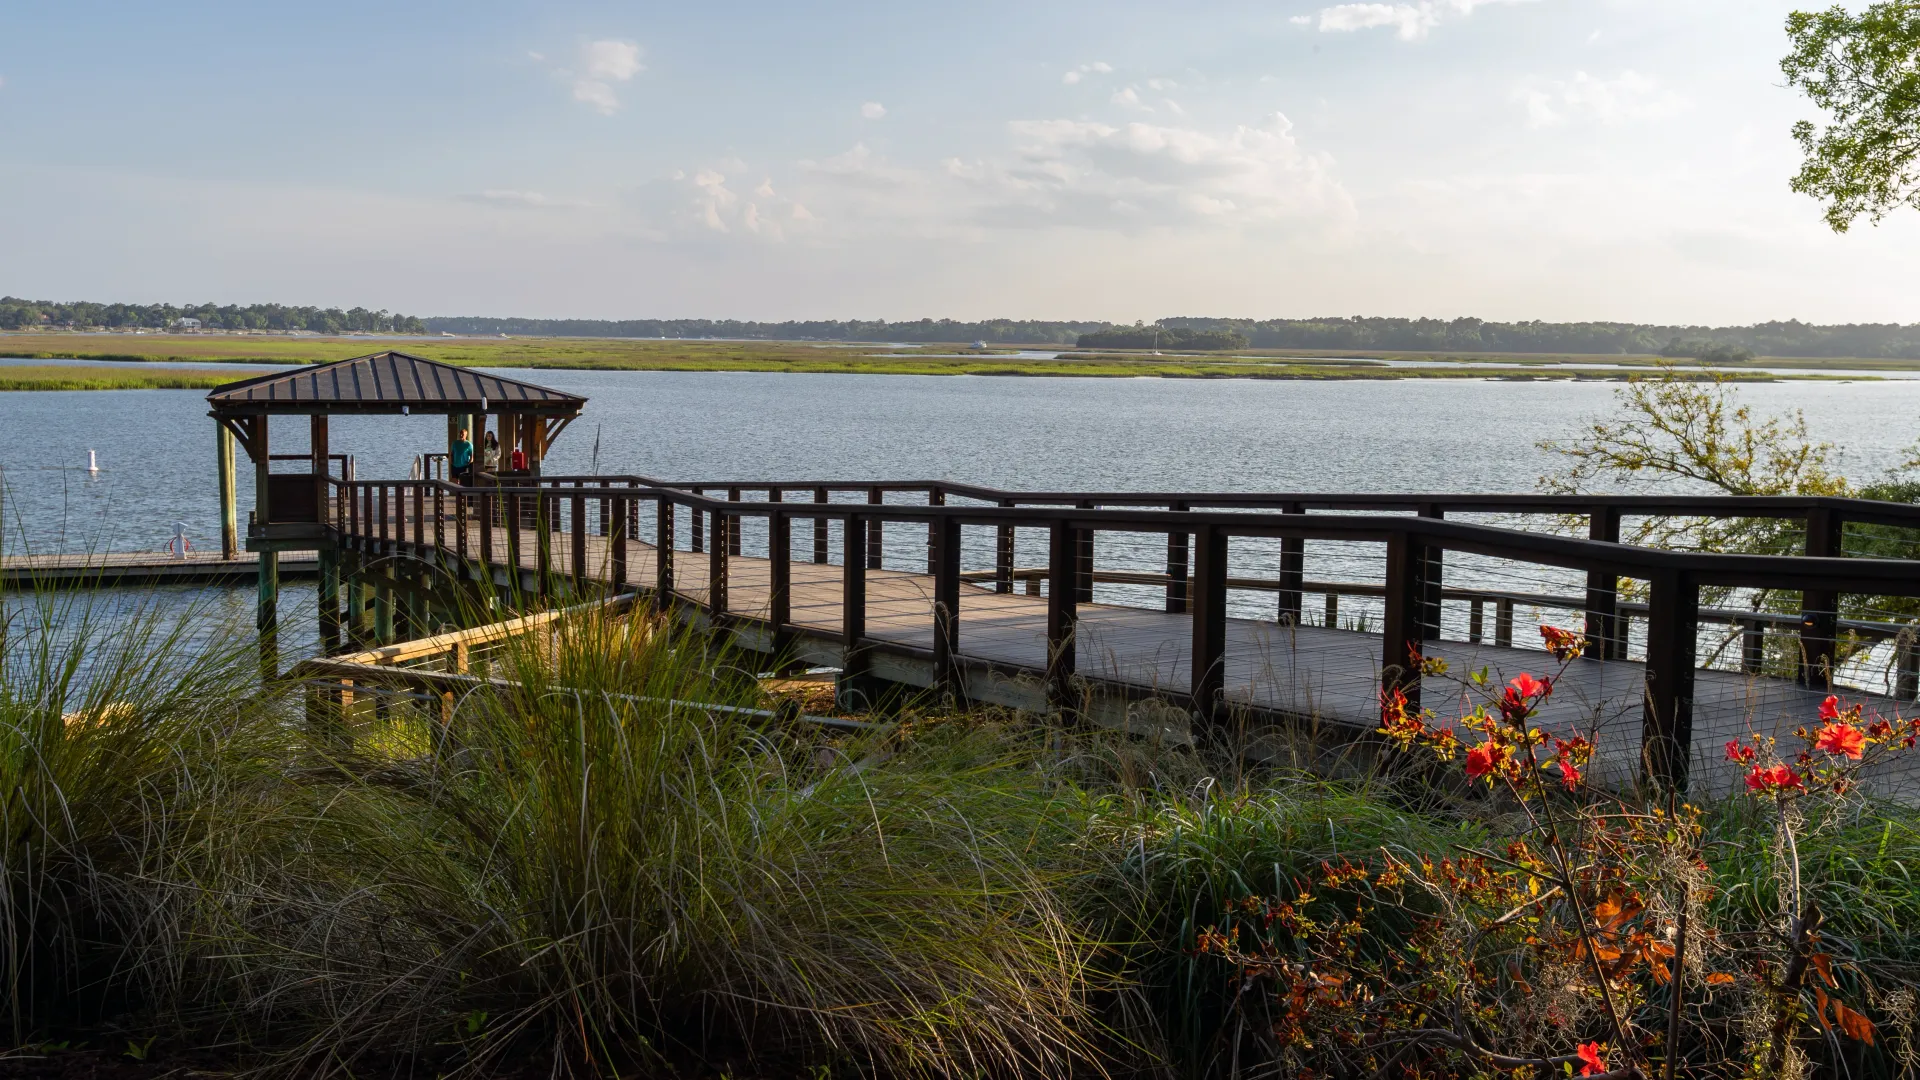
[93, 463]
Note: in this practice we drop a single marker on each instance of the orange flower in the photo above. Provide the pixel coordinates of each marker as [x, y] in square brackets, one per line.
[1844, 740]
[1736, 752]
[1590, 1060]
[1563, 644]
[1830, 708]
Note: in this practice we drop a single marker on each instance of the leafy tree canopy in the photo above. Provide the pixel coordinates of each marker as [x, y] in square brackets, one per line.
[1864, 70]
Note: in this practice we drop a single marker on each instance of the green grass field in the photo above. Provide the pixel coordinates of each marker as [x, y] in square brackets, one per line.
[630, 355]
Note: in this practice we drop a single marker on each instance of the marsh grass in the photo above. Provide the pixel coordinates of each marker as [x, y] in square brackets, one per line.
[120, 727]
[51, 377]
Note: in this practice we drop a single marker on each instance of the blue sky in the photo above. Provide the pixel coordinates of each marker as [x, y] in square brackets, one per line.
[1554, 159]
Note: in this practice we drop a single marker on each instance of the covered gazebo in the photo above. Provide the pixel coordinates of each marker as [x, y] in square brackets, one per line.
[287, 505]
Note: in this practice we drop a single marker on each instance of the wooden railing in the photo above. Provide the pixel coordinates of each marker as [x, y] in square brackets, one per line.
[1198, 530]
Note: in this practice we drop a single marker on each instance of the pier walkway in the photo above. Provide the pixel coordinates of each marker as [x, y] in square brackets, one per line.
[1121, 662]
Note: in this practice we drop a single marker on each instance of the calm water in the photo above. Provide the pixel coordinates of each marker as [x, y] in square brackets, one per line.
[156, 447]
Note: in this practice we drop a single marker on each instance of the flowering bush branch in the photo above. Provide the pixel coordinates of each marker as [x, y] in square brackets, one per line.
[1582, 946]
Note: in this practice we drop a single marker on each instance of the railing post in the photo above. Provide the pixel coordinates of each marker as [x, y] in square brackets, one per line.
[1503, 623]
[935, 497]
[1753, 646]
[460, 529]
[820, 540]
[1666, 732]
[1605, 639]
[1433, 558]
[945, 558]
[1907, 659]
[1293, 573]
[1003, 537]
[579, 510]
[544, 512]
[663, 515]
[877, 532]
[486, 534]
[779, 580]
[731, 525]
[1209, 623]
[1083, 562]
[717, 528]
[512, 526]
[420, 515]
[1820, 608]
[439, 519]
[613, 517]
[1062, 614]
[1179, 544]
[852, 687]
[1402, 635]
[381, 511]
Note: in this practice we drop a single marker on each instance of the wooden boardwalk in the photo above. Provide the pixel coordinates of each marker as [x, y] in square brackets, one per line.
[1319, 676]
[144, 568]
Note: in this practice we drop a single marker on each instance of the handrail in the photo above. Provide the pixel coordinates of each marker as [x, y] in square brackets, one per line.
[1197, 543]
[1872, 511]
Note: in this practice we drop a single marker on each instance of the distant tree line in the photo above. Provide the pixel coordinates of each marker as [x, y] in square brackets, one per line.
[18, 314]
[992, 331]
[1163, 337]
[1791, 338]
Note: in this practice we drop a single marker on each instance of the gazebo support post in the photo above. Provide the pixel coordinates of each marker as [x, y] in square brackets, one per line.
[229, 510]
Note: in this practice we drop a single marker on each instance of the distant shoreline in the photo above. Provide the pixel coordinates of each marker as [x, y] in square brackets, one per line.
[602, 354]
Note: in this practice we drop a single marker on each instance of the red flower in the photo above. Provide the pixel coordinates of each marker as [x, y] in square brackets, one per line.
[1736, 752]
[1590, 1060]
[1569, 775]
[1830, 708]
[1529, 687]
[1780, 777]
[1842, 739]
[1480, 761]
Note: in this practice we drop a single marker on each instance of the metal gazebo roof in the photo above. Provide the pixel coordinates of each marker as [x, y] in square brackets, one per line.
[388, 382]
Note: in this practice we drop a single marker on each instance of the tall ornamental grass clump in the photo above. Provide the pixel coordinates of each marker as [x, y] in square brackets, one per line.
[616, 871]
[122, 727]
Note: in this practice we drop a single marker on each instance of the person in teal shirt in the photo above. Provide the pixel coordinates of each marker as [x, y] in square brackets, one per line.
[462, 459]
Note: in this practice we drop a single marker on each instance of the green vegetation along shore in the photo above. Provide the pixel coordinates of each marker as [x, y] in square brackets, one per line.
[604, 354]
[53, 377]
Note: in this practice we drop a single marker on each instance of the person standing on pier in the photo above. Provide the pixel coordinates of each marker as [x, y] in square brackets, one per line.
[461, 455]
[490, 456]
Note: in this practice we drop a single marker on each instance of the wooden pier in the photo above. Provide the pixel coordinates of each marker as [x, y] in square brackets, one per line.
[146, 568]
[934, 624]
[813, 573]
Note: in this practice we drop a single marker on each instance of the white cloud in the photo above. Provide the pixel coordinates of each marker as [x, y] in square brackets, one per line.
[1162, 85]
[873, 110]
[1411, 20]
[1129, 98]
[538, 58]
[602, 64]
[1626, 97]
[1098, 67]
[709, 202]
[1089, 174]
